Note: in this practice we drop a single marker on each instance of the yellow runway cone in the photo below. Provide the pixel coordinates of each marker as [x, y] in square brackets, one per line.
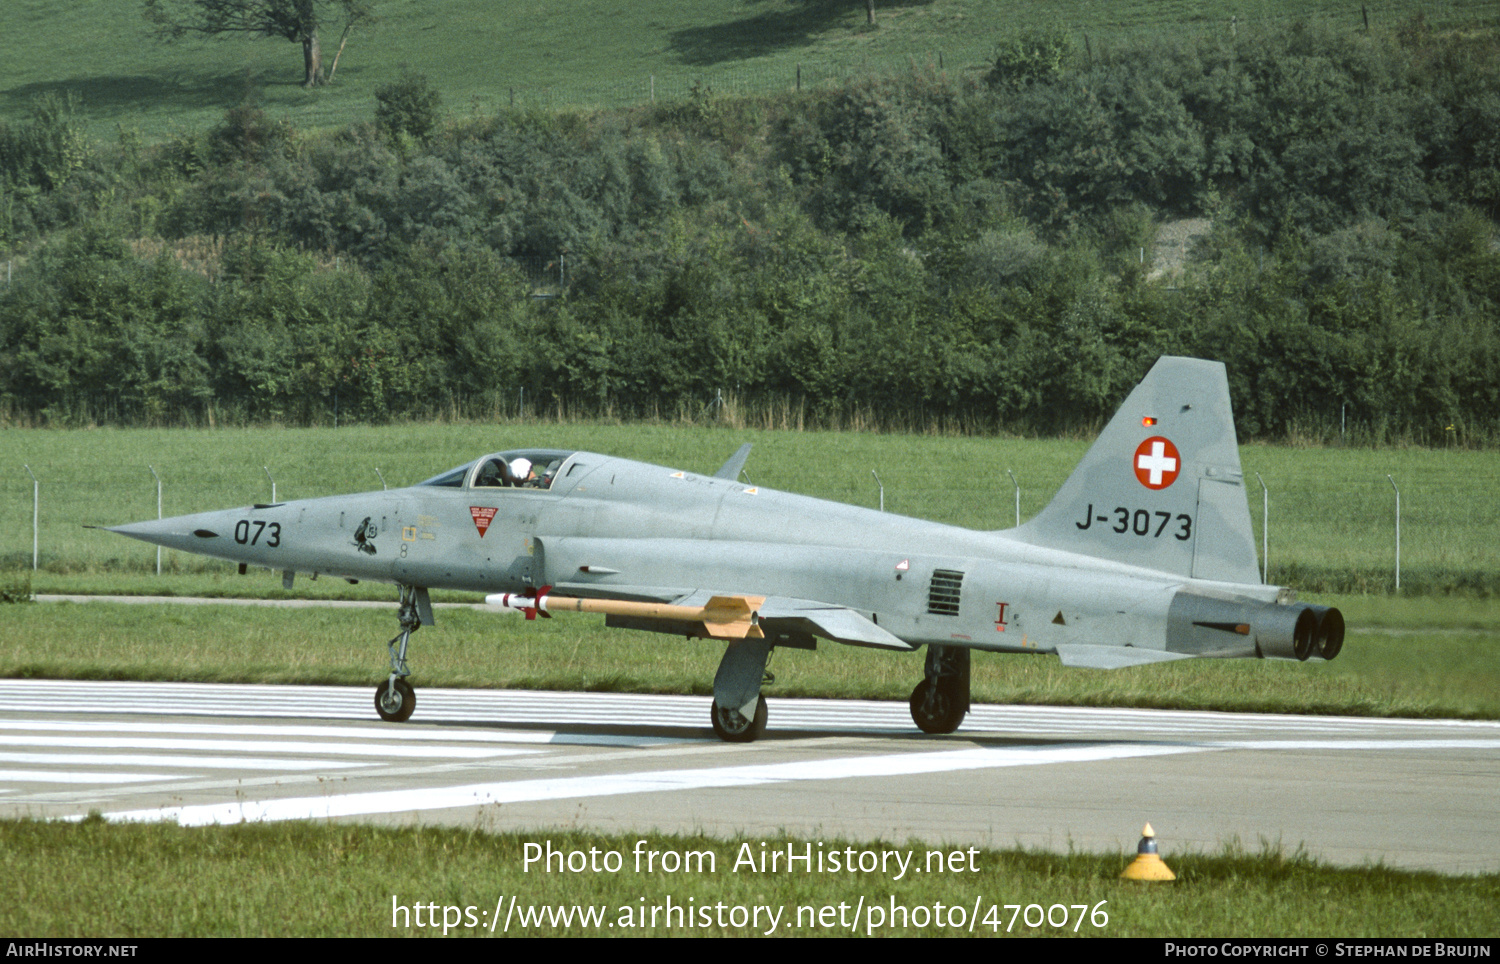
[1147, 864]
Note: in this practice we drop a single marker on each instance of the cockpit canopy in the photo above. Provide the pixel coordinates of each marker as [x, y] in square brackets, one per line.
[515, 469]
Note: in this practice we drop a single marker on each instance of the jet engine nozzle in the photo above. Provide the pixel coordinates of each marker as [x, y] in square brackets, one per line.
[1328, 638]
[1206, 626]
[1300, 632]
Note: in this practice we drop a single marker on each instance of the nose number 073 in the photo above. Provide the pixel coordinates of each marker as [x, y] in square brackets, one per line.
[244, 536]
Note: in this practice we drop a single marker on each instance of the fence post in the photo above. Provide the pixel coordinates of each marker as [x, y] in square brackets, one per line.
[36, 495]
[1398, 532]
[1265, 530]
[158, 513]
[273, 483]
[1018, 494]
[882, 490]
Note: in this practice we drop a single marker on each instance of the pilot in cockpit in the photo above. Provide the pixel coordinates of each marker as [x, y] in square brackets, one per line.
[520, 472]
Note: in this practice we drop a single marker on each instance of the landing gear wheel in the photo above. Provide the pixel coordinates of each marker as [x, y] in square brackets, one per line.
[935, 709]
[397, 708]
[732, 727]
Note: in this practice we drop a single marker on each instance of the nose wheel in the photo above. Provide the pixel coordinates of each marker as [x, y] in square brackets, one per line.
[395, 700]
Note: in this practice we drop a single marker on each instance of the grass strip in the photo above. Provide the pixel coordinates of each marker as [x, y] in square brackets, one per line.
[322, 880]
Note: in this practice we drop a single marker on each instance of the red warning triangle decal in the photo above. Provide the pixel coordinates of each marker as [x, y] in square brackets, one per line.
[482, 518]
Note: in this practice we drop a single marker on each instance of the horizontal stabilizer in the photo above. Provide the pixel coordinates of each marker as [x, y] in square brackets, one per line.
[1112, 657]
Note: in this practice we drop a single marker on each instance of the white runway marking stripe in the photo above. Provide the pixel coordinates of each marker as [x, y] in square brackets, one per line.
[185, 762]
[1364, 744]
[265, 746]
[58, 776]
[270, 729]
[516, 791]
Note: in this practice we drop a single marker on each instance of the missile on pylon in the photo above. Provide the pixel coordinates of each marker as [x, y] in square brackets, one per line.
[723, 617]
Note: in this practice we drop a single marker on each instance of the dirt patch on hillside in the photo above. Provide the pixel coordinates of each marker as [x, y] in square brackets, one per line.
[1174, 246]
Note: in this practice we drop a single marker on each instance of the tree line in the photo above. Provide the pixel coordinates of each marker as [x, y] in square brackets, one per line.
[921, 249]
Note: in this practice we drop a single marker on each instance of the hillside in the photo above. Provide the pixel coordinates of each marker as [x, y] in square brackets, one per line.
[488, 54]
[927, 247]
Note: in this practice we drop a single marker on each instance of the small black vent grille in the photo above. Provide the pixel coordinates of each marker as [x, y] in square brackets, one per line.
[942, 596]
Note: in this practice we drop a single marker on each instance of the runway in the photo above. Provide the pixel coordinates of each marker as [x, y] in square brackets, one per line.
[1408, 793]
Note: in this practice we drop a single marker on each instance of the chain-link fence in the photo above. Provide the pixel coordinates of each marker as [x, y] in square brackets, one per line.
[1332, 512]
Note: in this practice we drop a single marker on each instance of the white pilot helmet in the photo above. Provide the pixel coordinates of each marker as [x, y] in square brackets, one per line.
[520, 469]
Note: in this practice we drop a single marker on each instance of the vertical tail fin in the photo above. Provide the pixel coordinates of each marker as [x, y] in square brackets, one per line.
[1161, 487]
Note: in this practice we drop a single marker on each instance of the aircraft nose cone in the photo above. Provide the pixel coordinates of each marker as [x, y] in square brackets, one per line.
[183, 532]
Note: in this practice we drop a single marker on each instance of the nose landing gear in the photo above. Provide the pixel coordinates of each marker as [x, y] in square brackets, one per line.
[395, 699]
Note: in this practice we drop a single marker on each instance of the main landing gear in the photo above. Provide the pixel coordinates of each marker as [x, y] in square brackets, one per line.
[941, 701]
[395, 699]
[733, 726]
[739, 711]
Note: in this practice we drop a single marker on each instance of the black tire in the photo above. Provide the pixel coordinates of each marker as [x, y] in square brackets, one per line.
[731, 726]
[936, 710]
[397, 709]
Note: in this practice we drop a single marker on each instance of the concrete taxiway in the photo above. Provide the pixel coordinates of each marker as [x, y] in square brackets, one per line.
[1408, 793]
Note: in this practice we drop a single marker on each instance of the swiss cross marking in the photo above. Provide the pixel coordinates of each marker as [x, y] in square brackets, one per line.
[1157, 462]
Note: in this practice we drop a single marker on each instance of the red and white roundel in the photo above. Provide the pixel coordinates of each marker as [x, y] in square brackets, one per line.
[1157, 462]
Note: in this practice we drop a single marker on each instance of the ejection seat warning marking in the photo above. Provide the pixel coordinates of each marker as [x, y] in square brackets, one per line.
[1000, 619]
[482, 518]
[1157, 462]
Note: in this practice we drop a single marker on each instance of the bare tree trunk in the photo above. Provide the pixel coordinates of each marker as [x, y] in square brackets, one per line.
[342, 40]
[870, 11]
[312, 59]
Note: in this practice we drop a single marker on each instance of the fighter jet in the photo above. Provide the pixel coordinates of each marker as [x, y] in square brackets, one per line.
[1145, 555]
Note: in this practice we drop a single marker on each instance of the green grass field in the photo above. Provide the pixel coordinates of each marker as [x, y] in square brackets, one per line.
[482, 54]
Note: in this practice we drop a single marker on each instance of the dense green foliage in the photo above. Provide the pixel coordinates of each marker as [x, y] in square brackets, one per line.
[923, 249]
